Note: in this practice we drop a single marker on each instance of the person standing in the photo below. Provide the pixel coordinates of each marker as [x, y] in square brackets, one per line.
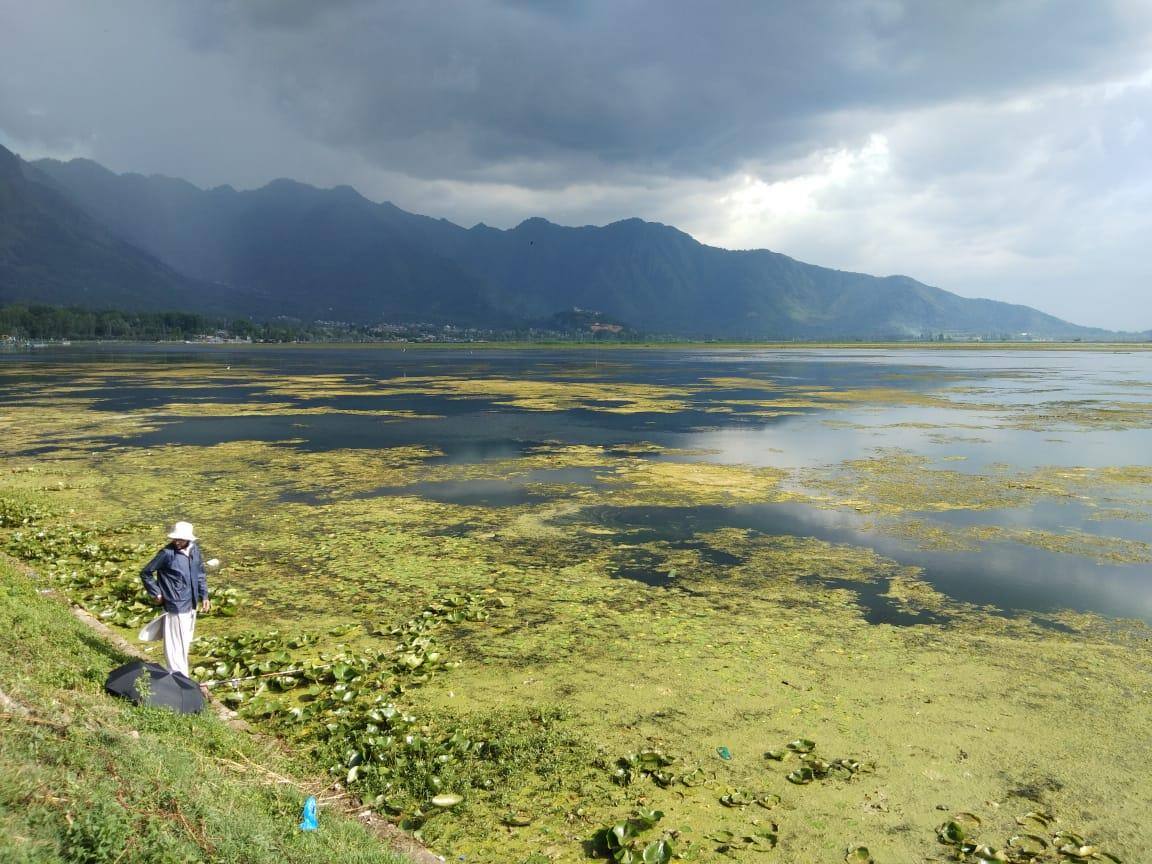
[175, 577]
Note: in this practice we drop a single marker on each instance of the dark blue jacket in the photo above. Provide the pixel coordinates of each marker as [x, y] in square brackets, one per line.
[178, 578]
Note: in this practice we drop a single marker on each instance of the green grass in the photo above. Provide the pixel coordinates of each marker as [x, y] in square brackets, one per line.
[88, 779]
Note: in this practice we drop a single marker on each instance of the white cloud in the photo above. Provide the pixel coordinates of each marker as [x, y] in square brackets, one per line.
[756, 209]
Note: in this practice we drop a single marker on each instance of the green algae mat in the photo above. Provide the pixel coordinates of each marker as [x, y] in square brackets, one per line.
[539, 606]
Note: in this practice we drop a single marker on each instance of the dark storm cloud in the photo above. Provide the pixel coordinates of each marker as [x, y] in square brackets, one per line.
[551, 91]
[995, 149]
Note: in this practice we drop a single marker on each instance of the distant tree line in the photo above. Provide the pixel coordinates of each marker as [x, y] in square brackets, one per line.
[41, 322]
[56, 322]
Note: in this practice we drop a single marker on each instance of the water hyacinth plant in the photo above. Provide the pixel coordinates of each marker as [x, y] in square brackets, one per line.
[812, 767]
[623, 842]
[1039, 842]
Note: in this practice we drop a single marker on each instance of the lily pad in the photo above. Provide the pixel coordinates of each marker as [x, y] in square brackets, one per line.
[1028, 844]
[658, 852]
[801, 776]
[1035, 819]
[801, 745]
[951, 833]
[736, 798]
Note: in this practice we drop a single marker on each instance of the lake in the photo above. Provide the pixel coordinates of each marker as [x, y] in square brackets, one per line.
[962, 411]
[933, 563]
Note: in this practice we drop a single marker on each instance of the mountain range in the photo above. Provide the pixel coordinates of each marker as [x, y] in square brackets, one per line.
[77, 233]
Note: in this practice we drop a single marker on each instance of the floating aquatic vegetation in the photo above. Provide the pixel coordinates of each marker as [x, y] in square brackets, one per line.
[647, 764]
[741, 798]
[99, 569]
[613, 397]
[1039, 842]
[20, 512]
[1103, 549]
[669, 483]
[623, 842]
[897, 481]
[812, 767]
[734, 844]
[746, 637]
[348, 699]
[1083, 414]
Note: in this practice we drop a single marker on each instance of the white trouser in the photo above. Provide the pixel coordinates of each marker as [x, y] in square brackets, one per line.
[179, 628]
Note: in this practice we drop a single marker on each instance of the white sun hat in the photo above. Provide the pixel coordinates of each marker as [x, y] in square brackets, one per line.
[182, 531]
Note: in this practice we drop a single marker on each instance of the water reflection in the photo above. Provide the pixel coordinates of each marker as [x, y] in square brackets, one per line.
[998, 387]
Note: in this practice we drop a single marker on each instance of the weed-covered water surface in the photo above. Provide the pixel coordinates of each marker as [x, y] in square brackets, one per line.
[523, 602]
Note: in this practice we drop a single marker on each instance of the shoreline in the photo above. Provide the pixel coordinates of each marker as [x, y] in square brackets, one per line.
[1107, 347]
[119, 732]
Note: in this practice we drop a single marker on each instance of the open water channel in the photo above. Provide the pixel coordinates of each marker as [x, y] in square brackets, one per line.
[969, 412]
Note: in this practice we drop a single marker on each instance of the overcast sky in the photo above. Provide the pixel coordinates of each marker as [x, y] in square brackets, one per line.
[994, 149]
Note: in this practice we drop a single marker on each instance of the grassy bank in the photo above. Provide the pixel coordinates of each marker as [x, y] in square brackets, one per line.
[85, 778]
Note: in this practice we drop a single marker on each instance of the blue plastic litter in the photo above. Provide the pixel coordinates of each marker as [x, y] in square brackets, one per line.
[309, 816]
[724, 752]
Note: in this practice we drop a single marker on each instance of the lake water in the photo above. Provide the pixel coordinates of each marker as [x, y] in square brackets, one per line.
[972, 412]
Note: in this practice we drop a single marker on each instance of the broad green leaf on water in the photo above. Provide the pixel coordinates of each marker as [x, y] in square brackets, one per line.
[1035, 819]
[968, 820]
[768, 801]
[663, 778]
[694, 777]
[650, 760]
[801, 776]
[658, 852]
[952, 833]
[1028, 844]
[446, 800]
[801, 745]
[764, 839]
[819, 767]
[1068, 838]
[779, 754]
[619, 835]
[847, 767]
[645, 819]
[858, 855]
[517, 818]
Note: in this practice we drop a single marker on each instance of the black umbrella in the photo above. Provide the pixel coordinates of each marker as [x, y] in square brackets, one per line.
[151, 684]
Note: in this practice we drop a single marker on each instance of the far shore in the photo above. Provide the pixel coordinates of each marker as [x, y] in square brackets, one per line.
[591, 345]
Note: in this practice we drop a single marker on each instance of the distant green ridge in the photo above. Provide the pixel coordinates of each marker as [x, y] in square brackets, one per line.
[330, 254]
